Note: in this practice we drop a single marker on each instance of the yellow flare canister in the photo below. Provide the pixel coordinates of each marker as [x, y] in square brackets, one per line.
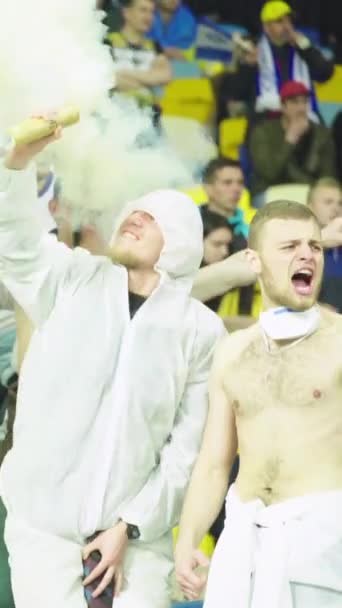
[33, 129]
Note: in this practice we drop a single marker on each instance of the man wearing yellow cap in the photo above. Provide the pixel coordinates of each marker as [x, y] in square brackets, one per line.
[285, 54]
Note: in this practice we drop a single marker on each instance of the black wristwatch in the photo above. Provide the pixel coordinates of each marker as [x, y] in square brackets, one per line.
[133, 532]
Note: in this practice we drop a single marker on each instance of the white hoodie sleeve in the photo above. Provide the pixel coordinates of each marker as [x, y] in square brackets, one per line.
[157, 507]
[32, 263]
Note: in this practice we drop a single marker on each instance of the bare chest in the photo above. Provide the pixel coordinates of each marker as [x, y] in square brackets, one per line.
[307, 375]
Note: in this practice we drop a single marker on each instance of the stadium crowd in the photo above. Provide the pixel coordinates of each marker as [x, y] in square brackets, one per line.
[264, 80]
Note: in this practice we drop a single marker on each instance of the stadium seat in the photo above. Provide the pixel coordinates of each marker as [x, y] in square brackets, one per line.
[229, 306]
[207, 545]
[185, 69]
[292, 192]
[198, 195]
[189, 97]
[232, 132]
[329, 111]
[246, 206]
[211, 68]
[331, 91]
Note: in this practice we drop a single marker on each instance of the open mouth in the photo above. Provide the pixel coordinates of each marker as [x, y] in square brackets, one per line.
[302, 280]
[130, 235]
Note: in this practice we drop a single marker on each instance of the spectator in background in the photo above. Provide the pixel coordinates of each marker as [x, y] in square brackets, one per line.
[218, 237]
[216, 279]
[291, 149]
[174, 28]
[219, 243]
[325, 200]
[285, 54]
[223, 182]
[139, 63]
[282, 54]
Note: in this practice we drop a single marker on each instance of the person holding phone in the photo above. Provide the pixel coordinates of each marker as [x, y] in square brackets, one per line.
[112, 399]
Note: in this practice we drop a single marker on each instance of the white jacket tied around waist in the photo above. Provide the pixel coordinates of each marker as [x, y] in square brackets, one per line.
[295, 541]
[110, 411]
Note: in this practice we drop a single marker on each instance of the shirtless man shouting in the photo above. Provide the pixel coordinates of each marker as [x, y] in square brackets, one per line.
[276, 392]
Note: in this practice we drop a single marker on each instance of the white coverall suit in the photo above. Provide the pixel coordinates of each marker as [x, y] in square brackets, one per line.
[110, 411]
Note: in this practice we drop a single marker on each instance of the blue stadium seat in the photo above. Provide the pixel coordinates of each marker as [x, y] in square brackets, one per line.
[329, 111]
[185, 69]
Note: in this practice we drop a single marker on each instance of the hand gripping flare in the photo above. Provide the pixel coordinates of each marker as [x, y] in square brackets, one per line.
[33, 129]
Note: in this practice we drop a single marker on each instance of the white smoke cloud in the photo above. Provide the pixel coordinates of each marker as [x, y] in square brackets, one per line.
[51, 55]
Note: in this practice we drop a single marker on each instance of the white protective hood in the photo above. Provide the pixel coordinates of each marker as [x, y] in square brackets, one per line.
[181, 225]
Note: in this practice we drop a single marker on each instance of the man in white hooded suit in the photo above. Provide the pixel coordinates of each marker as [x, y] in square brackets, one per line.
[110, 408]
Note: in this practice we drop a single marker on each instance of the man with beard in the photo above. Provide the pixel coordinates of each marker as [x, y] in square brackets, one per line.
[112, 399]
[275, 391]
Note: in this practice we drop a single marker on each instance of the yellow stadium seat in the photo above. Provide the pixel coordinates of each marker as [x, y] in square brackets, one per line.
[207, 545]
[211, 68]
[197, 193]
[257, 302]
[190, 54]
[245, 205]
[191, 98]
[199, 196]
[331, 91]
[229, 305]
[289, 192]
[232, 133]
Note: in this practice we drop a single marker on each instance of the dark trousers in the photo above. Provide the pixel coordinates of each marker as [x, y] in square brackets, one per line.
[217, 526]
